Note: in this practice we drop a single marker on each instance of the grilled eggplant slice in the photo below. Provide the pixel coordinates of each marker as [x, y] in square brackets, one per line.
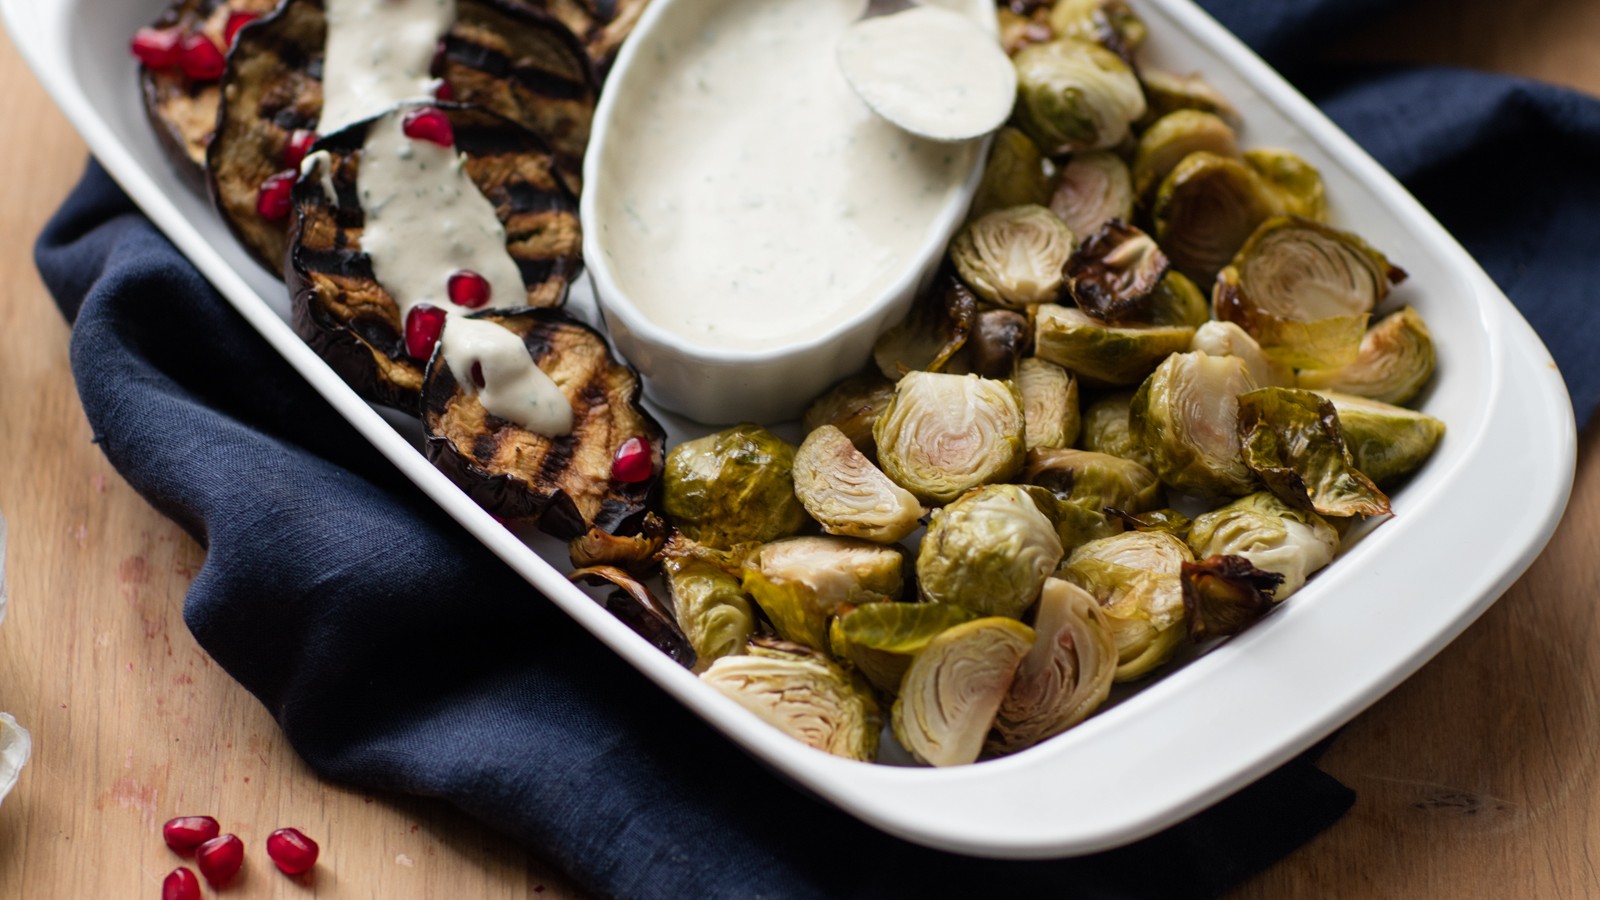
[566, 483]
[342, 311]
[183, 110]
[508, 57]
[602, 25]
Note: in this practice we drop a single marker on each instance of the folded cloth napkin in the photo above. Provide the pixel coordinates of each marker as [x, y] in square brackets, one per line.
[397, 654]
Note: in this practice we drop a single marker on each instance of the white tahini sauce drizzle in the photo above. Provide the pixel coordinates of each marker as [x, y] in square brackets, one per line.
[514, 388]
[748, 197]
[931, 71]
[377, 54]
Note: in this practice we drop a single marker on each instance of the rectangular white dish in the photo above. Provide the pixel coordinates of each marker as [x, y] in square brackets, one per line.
[1389, 603]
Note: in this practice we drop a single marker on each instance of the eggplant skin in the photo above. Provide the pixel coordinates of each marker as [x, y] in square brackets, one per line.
[349, 319]
[602, 25]
[563, 482]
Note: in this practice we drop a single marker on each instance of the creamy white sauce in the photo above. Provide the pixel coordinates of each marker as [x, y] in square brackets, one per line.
[377, 54]
[931, 71]
[321, 163]
[748, 197]
[514, 388]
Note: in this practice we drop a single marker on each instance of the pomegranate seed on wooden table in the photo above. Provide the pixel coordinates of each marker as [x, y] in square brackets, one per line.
[219, 859]
[185, 833]
[292, 851]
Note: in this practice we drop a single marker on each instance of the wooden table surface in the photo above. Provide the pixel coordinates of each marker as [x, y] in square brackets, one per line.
[1478, 777]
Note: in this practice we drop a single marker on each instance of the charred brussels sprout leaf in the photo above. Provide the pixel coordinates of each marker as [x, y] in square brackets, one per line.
[1186, 415]
[1066, 674]
[1013, 176]
[999, 339]
[803, 694]
[880, 639]
[954, 687]
[1049, 403]
[1206, 209]
[943, 435]
[1013, 257]
[989, 552]
[1167, 520]
[1103, 354]
[1269, 533]
[1091, 190]
[937, 327]
[847, 494]
[852, 406]
[801, 583]
[1174, 137]
[1074, 96]
[1114, 273]
[1227, 339]
[1385, 441]
[1292, 441]
[733, 486]
[1094, 481]
[640, 610]
[1224, 595]
[710, 607]
[633, 551]
[1106, 430]
[1394, 362]
[1135, 577]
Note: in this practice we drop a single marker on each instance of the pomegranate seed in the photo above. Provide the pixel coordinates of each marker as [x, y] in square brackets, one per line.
[477, 375]
[188, 832]
[300, 141]
[429, 124]
[180, 884]
[219, 859]
[468, 288]
[424, 324]
[292, 851]
[633, 463]
[272, 202]
[236, 21]
[200, 58]
[157, 48]
[445, 92]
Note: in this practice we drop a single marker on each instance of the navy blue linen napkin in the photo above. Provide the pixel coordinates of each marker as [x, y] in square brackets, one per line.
[397, 654]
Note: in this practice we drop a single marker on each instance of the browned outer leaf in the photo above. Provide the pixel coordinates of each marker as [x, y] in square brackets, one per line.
[1291, 439]
[1112, 274]
[1224, 595]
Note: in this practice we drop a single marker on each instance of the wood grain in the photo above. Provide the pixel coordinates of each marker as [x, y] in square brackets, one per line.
[1478, 777]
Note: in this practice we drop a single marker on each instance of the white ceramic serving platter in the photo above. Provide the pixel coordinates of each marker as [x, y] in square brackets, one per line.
[1465, 527]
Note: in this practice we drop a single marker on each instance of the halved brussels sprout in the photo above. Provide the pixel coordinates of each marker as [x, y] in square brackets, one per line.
[1111, 23]
[1013, 176]
[852, 406]
[1066, 674]
[1095, 481]
[1076, 523]
[1074, 96]
[1167, 93]
[711, 608]
[1187, 415]
[1113, 274]
[847, 494]
[880, 639]
[1171, 139]
[1292, 442]
[1272, 535]
[733, 486]
[803, 694]
[1395, 361]
[943, 435]
[936, 328]
[1049, 403]
[1135, 577]
[1091, 190]
[1385, 441]
[1304, 291]
[999, 338]
[1298, 182]
[1176, 301]
[802, 582]
[954, 687]
[1103, 354]
[1227, 339]
[1224, 595]
[1013, 257]
[1206, 209]
[989, 552]
[1106, 429]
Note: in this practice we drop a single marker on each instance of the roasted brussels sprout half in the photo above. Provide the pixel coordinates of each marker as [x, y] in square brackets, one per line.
[999, 338]
[1206, 209]
[1385, 441]
[1272, 535]
[1013, 176]
[1111, 23]
[950, 695]
[937, 327]
[1106, 429]
[1074, 96]
[852, 406]
[710, 607]
[1013, 257]
[1227, 339]
[1113, 275]
[1066, 674]
[1292, 442]
[802, 582]
[1049, 403]
[1176, 301]
[1224, 595]
[1091, 190]
[1394, 362]
[989, 552]
[732, 487]
[1304, 291]
[943, 435]
[1135, 577]
[1167, 93]
[847, 494]
[1298, 183]
[1095, 481]
[1103, 354]
[1186, 415]
[1171, 139]
[880, 639]
[803, 694]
